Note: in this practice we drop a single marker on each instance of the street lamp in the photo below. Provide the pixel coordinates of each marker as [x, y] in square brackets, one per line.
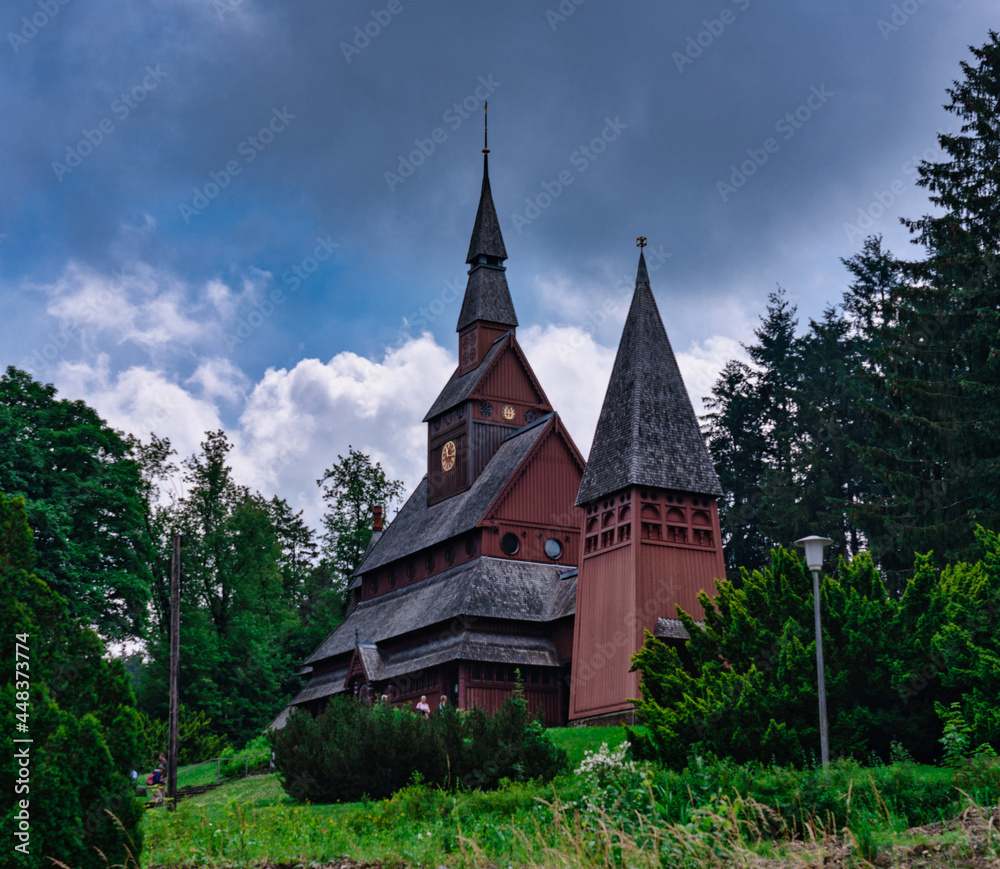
[814, 559]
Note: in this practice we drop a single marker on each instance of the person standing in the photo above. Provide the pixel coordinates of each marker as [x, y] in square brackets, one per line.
[422, 706]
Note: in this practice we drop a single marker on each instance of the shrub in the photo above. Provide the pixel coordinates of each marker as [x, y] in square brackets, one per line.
[353, 750]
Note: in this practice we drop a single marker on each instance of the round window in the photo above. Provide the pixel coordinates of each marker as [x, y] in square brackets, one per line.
[470, 546]
[373, 584]
[509, 543]
[429, 563]
[449, 556]
[411, 569]
[392, 579]
[553, 548]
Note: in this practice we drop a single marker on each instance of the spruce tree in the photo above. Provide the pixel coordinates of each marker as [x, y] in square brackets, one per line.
[938, 418]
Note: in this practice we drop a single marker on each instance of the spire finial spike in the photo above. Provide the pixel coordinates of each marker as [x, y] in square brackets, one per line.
[486, 144]
[642, 275]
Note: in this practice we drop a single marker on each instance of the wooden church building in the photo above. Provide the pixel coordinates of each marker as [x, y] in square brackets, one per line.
[516, 555]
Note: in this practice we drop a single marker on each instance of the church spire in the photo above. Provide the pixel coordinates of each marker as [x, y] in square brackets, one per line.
[487, 296]
[647, 433]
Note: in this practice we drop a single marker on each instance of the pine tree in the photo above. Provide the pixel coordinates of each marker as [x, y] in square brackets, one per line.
[939, 431]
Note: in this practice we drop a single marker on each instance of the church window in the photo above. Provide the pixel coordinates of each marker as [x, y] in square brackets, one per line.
[553, 548]
[607, 538]
[591, 544]
[624, 533]
[429, 563]
[488, 673]
[509, 543]
[373, 584]
[411, 569]
[449, 555]
[529, 416]
[392, 579]
[470, 546]
[477, 672]
[486, 409]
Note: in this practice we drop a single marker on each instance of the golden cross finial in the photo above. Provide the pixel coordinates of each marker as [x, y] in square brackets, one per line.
[640, 242]
[486, 145]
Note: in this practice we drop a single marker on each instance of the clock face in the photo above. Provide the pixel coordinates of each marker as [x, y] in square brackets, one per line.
[508, 412]
[448, 456]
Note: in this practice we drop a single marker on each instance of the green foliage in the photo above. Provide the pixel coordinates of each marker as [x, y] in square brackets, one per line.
[84, 501]
[196, 738]
[352, 488]
[956, 737]
[238, 609]
[79, 714]
[881, 424]
[748, 689]
[354, 750]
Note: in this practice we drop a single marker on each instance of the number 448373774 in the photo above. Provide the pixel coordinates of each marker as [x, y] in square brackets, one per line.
[21, 682]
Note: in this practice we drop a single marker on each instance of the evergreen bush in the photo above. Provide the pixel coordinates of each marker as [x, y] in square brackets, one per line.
[353, 750]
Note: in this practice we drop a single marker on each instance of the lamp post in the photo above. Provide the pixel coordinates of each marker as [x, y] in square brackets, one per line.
[814, 559]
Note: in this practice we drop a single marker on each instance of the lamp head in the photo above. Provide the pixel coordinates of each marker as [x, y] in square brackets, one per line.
[814, 550]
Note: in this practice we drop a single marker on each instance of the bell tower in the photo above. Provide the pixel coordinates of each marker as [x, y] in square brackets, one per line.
[493, 391]
[650, 538]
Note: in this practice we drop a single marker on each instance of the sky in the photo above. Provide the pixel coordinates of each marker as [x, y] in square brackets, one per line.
[253, 215]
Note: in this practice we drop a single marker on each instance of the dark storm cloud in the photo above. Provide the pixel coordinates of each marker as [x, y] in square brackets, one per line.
[226, 136]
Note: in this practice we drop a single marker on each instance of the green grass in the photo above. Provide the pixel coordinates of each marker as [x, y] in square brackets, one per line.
[577, 740]
[694, 822]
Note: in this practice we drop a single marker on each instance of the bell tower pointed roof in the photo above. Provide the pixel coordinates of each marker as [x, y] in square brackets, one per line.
[487, 296]
[647, 433]
[486, 238]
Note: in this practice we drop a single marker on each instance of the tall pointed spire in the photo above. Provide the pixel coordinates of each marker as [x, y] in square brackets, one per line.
[487, 296]
[647, 433]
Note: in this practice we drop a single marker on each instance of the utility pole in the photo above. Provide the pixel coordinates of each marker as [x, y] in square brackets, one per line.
[175, 657]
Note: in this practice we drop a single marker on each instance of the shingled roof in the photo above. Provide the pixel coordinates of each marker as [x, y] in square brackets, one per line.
[460, 387]
[647, 434]
[465, 645]
[492, 588]
[487, 296]
[486, 238]
[418, 525]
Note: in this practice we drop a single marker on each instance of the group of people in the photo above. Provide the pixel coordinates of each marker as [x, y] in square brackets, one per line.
[424, 707]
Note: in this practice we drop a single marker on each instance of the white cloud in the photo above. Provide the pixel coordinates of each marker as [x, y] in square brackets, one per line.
[220, 378]
[142, 306]
[140, 400]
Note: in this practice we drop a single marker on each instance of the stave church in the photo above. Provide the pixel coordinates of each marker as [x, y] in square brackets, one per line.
[516, 558]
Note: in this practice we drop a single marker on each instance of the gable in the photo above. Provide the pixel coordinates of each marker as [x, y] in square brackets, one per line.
[508, 377]
[544, 487]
